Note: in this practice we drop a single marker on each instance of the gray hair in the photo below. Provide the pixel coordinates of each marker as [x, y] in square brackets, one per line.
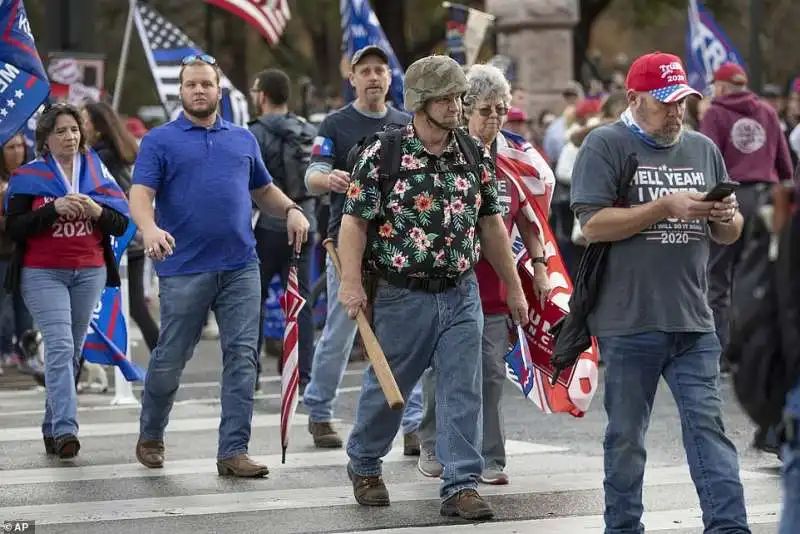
[485, 82]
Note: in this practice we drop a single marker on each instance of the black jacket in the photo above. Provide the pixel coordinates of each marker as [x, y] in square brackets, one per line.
[23, 222]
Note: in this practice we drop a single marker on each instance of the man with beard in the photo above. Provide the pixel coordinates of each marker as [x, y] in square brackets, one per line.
[370, 77]
[203, 174]
[417, 232]
[652, 316]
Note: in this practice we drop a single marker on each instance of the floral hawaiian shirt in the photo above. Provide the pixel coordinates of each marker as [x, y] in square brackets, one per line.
[427, 223]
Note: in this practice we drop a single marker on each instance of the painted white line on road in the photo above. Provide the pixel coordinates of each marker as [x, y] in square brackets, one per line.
[527, 481]
[103, 405]
[207, 466]
[132, 428]
[763, 514]
[36, 390]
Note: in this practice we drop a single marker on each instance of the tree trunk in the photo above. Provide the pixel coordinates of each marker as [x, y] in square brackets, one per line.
[392, 16]
[233, 44]
[589, 11]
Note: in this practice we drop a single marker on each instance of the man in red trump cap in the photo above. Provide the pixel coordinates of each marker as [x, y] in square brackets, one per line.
[652, 317]
[748, 133]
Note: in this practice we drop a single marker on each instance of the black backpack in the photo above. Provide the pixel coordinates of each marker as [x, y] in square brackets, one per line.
[764, 346]
[391, 156]
[296, 138]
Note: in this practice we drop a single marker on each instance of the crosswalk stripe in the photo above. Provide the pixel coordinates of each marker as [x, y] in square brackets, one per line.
[121, 429]
[661, 520]
[207, 466]
[528, 479]
[36, 390]
[95, 406]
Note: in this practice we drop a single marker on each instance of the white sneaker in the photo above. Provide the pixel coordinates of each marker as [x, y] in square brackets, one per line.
[494, 477]
[428, 465]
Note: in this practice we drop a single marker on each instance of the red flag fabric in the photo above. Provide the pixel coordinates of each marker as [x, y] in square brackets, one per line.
[291, 304]
[573, 392]
[269, 17]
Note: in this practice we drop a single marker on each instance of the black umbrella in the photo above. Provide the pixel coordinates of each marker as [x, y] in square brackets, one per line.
[572, 332]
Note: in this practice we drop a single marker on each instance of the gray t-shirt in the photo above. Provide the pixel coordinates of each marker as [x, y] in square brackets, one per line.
[655, 280]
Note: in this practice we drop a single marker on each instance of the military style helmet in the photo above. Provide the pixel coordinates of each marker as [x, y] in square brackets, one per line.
[432, 77]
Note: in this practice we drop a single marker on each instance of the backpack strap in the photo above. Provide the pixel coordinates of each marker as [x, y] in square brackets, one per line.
[390, 159]
[469, 147]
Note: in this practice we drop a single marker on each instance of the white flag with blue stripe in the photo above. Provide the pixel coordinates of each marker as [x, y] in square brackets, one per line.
[165, 45]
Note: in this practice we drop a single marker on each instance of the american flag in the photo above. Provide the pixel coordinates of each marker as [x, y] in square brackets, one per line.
[268, 16]
[165, 45]
[291, 303]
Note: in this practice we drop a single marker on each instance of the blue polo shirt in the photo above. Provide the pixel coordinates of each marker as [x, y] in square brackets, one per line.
[203, 178]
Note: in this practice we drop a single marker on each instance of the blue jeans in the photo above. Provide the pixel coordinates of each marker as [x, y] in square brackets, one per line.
[15, 317]
[790, 470]
[418, 330]
[330, 362]
[185, 303]
[689, 362]
[61, 302]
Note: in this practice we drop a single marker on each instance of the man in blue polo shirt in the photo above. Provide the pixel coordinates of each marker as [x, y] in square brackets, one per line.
[203, 173]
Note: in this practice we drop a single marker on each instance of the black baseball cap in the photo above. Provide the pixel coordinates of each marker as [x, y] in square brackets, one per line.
[369, 50]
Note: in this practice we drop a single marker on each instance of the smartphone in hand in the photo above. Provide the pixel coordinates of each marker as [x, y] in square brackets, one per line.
[721, 191]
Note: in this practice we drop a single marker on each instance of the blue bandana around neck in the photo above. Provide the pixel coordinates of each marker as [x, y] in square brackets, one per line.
[628, 120]
[43, 178]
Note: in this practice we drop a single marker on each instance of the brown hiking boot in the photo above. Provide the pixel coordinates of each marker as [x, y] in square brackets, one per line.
[241, 466]
[325, 437]
[150, 453]
[411, 444]
[468, 505]
[368, 491]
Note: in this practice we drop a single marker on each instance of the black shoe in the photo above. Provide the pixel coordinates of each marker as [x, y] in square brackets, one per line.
[67, 446]
[49, 445]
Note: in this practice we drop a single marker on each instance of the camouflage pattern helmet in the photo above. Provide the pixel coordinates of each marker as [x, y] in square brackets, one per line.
[432, 77]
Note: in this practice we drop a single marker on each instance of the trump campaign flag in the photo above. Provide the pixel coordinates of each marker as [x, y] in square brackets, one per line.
[23, 80]
[707, 47]
[360, 28]
[528, 364]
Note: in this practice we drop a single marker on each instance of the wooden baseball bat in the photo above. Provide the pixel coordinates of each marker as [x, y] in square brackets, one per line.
[374, 351]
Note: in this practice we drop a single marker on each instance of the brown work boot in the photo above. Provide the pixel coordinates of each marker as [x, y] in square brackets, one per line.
[368, 491]
[150, 453]
[325, 437]
[468, 505]
[411, 444]
[241, 466]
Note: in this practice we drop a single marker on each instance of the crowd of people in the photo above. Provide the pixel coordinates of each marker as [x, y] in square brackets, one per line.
[421, 213]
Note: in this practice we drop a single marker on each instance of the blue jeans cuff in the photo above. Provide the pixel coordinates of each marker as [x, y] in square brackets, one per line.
[225, 456]
[364, 469]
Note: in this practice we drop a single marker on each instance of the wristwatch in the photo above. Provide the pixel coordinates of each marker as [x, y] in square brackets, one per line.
[294, 207]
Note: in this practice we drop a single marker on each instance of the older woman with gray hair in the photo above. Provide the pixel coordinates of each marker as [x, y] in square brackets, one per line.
[486, 105]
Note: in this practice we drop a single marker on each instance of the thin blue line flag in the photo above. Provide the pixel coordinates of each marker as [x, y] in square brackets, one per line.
[23, 81]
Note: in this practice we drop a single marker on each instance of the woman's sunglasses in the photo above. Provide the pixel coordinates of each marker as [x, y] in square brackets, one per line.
[487, 111]
[205, 58]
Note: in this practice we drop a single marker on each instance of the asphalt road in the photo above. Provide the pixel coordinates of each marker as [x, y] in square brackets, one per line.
[555, 465]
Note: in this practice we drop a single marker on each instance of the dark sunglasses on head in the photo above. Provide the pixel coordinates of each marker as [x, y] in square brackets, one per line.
[205, 58]
[487, 111]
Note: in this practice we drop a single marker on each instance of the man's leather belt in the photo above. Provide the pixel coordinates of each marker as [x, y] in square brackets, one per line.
[428, 284]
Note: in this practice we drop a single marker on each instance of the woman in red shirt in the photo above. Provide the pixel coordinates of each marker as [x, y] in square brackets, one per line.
[486, 105]
[61, 210]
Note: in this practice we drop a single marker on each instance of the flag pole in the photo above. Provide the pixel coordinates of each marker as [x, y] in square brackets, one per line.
[123, 56]
[123, 390]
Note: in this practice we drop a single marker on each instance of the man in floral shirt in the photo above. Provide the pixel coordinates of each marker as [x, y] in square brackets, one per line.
[419, 233]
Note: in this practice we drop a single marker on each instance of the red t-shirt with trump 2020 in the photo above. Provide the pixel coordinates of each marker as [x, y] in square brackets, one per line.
[493, 291]
[71, 243]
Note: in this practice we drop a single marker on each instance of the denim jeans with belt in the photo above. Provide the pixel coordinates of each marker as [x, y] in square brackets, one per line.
[689, 362]
[185, 303]
[418, 330]
[331, 356]
[61, 302]
[790, 470]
